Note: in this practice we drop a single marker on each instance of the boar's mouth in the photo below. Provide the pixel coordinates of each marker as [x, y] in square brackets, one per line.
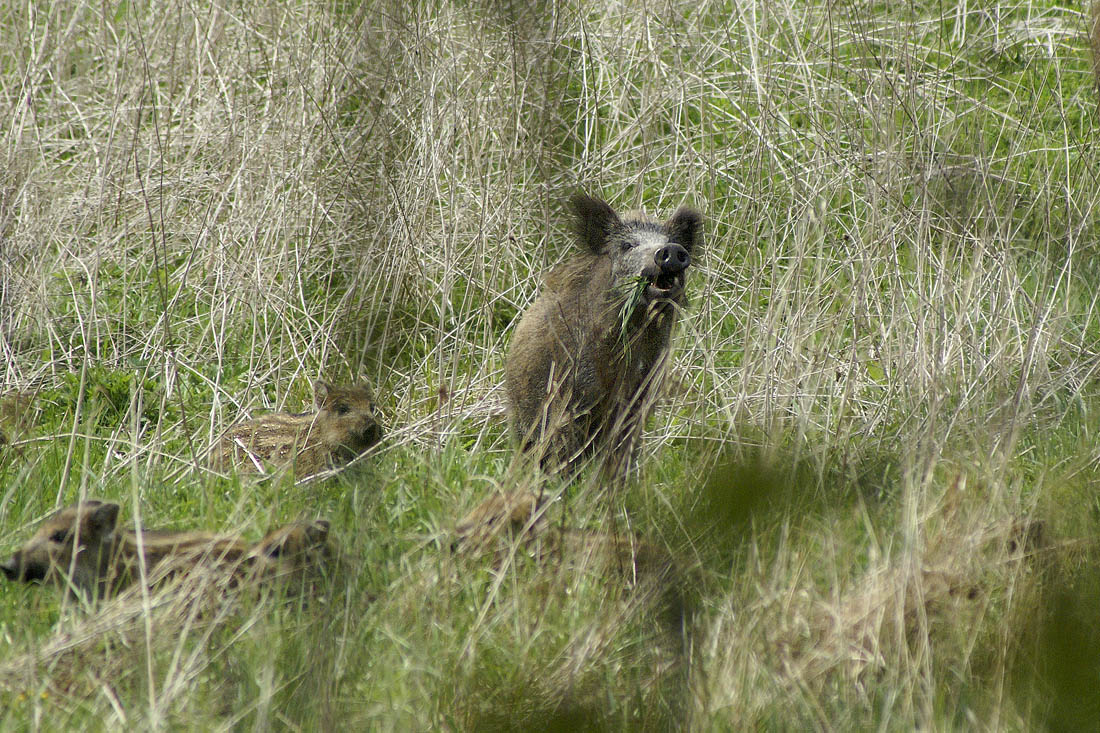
[665, 286]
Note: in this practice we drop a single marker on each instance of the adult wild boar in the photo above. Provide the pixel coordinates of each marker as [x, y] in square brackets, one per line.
[584, 358]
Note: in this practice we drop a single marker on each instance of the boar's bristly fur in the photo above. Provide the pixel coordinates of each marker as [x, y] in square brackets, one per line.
[581, 370]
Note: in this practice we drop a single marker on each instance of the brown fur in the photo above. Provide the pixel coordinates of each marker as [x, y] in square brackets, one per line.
[296, 552]
[81, 547]
[502, 513]
[16, 417]
[583, 361]
[506, 516]
[343, 426]
[17, 411]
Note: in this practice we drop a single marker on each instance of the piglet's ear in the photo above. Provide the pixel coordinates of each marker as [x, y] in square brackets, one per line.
[320, 392]
[101, 519]
[595, 221]
[685, 228]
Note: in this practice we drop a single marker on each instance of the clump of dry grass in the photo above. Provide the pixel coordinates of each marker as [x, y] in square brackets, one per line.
[921, 607]
[109, 654]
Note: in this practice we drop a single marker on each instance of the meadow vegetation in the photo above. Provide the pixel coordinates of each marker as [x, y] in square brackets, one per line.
[876, 463]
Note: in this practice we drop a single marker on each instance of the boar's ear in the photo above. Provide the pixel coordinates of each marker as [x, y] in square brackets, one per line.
[320, 392]
[685, 228]
[595, 220]
[101, 519]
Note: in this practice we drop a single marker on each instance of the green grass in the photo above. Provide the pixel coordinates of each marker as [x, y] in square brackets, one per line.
[887, 373]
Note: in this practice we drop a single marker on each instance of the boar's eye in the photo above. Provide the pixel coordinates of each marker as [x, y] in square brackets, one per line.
[627, 244]
[342, 409]
[275, 550]
[59, 536]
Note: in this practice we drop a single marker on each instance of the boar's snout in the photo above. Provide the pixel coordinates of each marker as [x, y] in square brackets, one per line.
[11, 569]
[18, 569]
[672, 258]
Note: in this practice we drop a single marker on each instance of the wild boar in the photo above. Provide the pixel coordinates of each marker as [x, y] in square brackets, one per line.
[344, 425]
[297, 552]
[506, 517]
[586, 355]
[82, 548]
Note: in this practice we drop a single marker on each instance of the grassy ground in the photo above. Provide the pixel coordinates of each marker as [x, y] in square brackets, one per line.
[878, 468]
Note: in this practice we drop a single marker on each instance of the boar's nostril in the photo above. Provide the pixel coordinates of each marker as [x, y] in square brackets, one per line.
[672, 258]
